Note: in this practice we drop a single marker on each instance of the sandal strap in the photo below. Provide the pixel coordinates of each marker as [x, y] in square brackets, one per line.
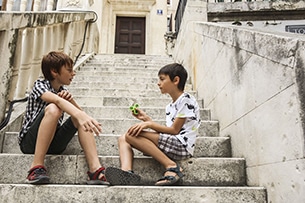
[36, 167]
[175, 170]
[170, 178]
[96, 174]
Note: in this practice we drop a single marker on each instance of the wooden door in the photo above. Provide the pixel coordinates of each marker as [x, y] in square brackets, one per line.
[130, 35]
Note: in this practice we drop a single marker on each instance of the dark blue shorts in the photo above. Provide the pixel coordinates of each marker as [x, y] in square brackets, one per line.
[62, 137]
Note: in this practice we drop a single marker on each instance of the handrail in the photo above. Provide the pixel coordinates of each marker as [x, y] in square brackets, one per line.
[9, 112]
[179, 14]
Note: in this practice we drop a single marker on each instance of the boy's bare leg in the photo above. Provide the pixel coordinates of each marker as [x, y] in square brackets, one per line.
[87, 142]
[126, 154]
[147, 143]
[46, 133]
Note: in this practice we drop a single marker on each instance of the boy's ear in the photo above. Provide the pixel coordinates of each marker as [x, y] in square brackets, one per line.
[176, 80]
[53, 72]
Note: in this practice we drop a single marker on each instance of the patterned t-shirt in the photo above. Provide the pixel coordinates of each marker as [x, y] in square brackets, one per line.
[36, 104]
[187, 107]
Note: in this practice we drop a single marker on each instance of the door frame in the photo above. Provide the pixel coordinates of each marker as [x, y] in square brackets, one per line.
[116, 14]
[143, 34]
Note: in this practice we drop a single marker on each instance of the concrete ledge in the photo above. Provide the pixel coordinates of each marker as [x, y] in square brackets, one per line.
[109, 126]
[108, 145]
[130, 194]
[71, 169]
[16, 20]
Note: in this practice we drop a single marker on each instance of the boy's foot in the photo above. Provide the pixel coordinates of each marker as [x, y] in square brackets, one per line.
[38, 175]
[171, 176]
[97, 178]
[116, 176]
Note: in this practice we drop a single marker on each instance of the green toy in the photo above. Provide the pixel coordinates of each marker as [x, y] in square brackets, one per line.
[133, 108]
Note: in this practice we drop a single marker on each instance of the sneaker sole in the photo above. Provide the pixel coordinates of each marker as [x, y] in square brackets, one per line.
[116, 176]
[97, 182]
[40, 181]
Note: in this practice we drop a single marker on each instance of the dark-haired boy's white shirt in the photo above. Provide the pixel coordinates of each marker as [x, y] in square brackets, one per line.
[36, 104]
[187, 107]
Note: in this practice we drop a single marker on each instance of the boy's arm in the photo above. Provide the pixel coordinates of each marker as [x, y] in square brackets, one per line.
[172, 130]
[85, 121]
[68, 96]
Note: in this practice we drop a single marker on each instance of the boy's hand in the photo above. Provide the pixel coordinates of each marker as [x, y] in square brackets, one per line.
[65, 95]
[141, 115]
[89, 124]
[137, 128]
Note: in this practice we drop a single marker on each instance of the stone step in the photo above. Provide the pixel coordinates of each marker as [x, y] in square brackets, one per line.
[72, 169]
[78, 91]
[115, 85]
[127, 79]
[107, 145]
[130, 194]
[105, 87]
[121, 125]
[118, 74]
[124, 101]
[130, 60]
[120, 101]
[123, 112]
[119, 85]
[119, 68]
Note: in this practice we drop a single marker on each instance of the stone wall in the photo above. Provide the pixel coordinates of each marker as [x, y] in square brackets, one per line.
[26, 37]
[253, 82]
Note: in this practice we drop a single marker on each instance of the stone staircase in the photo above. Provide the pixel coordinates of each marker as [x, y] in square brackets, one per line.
[105, 87]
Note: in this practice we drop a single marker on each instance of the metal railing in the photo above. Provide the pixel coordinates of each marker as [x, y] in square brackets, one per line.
[179, 14]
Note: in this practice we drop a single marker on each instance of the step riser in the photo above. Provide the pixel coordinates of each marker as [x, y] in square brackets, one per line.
[119, 194]
[120, 126]
[105, 85]
[116, 85]
[138, 73]
[124, 112]
[107, 145]
[72, 169]
[117, 92]
[123, 101]
[126, 79]
[120, 101]
[121, 69]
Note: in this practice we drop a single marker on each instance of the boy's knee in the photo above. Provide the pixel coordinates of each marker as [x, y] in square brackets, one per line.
[122, 139]
[129, 139]
[53, 110]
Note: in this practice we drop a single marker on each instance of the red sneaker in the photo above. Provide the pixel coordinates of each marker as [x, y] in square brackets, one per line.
[38, 175]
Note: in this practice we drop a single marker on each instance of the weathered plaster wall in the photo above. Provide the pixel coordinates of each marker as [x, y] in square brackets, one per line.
[253, 82]
[26, 37]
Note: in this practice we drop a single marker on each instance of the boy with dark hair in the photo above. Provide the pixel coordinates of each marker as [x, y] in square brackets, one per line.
[43, 131]
[175, 141]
